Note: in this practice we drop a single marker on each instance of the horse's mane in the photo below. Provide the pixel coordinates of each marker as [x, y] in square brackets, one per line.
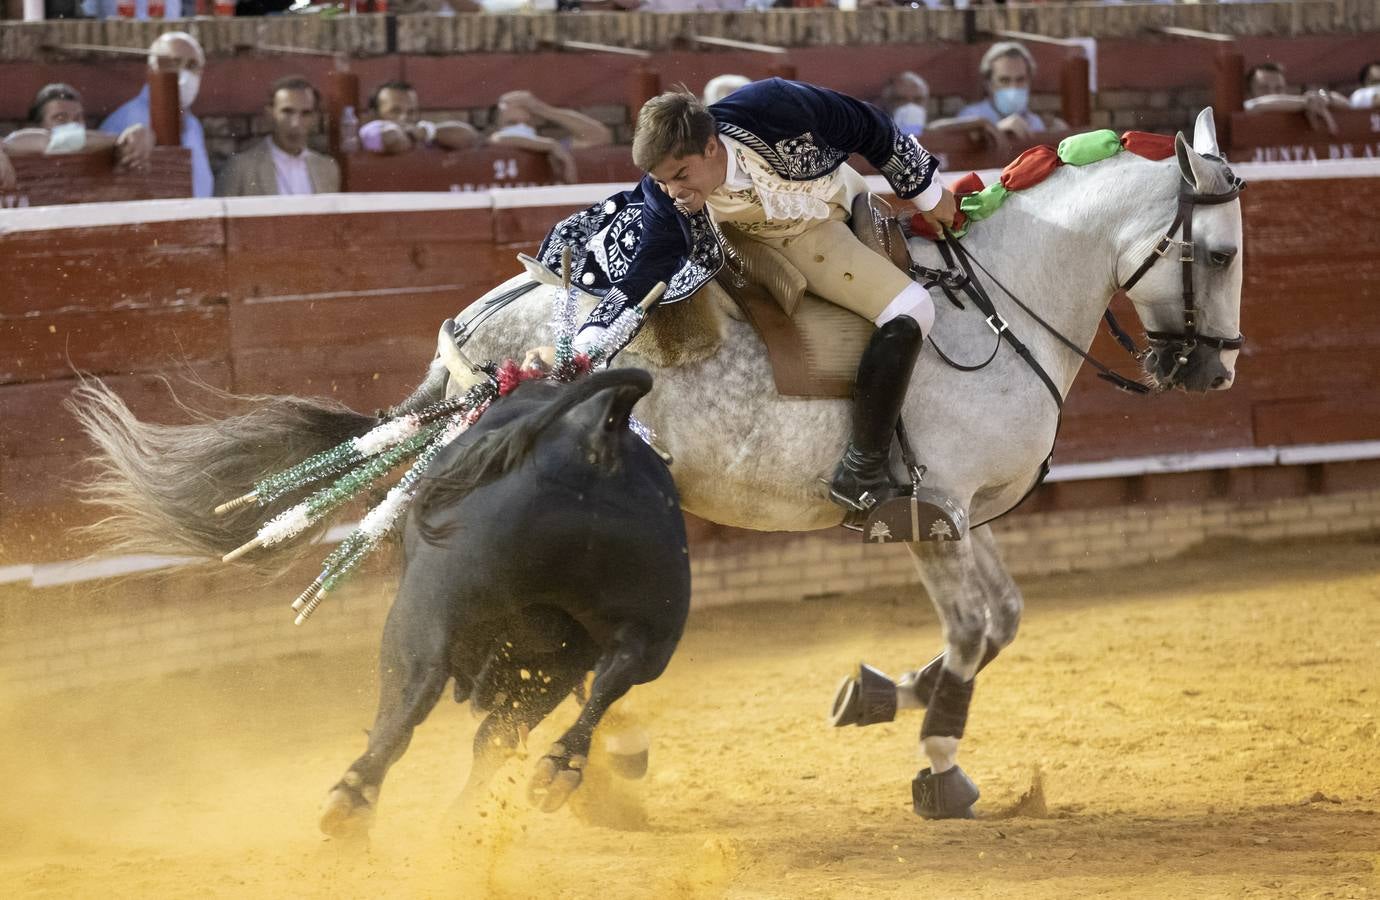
[496, 452]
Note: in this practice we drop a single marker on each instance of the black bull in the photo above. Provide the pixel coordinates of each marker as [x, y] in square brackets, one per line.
[547, 542]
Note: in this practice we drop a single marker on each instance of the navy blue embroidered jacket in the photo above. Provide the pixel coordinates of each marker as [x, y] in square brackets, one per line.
[636, 238]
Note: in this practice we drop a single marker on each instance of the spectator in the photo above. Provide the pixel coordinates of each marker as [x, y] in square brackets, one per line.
[397, 127]
[173, 51]
[1267, 90]
[1367, 96]
[906, 99]
[517, 117]
[58, 125]
[720, 86]
[1008, 70]
[282, 163]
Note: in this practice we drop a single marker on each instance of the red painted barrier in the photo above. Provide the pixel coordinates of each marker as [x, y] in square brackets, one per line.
[341, 296]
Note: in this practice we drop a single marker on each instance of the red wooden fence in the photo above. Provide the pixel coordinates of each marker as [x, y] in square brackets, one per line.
[341, 296]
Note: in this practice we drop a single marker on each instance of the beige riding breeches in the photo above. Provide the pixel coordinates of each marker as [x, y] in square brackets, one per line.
[840, 269]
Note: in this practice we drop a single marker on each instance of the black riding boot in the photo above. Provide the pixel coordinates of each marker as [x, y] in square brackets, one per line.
[862, 478]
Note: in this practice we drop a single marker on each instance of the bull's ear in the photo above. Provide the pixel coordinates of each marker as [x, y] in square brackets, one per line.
[1205, 134]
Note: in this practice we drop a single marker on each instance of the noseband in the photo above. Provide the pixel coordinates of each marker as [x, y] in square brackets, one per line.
[1181, 344]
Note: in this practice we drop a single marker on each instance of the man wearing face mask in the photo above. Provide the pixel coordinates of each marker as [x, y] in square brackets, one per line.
[173, 51]
[58, 125]
[1007, 71]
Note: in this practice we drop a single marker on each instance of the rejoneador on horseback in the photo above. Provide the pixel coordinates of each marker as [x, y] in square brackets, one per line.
[767, 164]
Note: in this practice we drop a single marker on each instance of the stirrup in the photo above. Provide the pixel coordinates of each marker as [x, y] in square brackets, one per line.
[919, 514]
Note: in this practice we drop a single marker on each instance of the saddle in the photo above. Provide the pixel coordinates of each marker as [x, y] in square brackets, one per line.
[814, 345]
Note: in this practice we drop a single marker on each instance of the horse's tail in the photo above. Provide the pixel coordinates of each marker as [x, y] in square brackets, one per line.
[161, 483]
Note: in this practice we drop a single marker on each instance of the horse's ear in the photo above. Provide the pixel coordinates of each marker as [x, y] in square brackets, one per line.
[1199, 173]
[1205, 134]
[1185, 156]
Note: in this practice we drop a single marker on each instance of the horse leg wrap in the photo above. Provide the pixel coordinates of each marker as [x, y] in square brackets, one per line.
[948, 795]
[948, 708]
[923, 682]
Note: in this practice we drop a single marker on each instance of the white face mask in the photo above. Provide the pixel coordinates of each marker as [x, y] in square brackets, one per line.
[68, 138]
[910, 118]
[188, 84]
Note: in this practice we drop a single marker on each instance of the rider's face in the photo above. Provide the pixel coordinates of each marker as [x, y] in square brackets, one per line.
[689, 180]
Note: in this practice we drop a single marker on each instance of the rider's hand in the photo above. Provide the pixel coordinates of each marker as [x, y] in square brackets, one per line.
[539, 358]
[943, 213]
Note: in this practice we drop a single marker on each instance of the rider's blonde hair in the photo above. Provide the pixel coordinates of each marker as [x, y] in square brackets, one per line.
[671, 125]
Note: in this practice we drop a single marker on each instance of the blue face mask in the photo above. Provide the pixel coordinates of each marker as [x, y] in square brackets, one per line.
[1011, 100]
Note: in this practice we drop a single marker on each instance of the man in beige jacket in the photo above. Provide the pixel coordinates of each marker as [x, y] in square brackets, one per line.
[282, 163]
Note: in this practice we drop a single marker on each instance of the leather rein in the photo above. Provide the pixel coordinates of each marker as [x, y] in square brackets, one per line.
[960, 278]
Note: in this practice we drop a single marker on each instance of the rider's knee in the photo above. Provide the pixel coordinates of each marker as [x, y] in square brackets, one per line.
[913, 302]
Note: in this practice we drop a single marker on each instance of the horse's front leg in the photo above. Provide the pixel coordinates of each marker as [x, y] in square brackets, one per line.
[949, 571]
[1004, 606]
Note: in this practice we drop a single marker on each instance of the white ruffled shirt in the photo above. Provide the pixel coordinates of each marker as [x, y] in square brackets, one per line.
[756, 200]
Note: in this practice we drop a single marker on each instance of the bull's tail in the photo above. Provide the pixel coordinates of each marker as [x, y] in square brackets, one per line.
[161, 483]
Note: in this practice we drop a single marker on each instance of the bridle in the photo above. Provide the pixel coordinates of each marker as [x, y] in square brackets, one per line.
[959, 277]
[1181, 344]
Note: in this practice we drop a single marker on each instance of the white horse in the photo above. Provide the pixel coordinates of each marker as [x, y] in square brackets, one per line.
[747, 457]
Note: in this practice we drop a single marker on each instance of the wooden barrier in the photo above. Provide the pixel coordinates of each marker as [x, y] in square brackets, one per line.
[341, 296]
[481, 169]
[1288, 137]
[93, 178]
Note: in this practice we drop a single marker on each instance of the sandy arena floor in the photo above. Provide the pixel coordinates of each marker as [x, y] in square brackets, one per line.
[1206, 727]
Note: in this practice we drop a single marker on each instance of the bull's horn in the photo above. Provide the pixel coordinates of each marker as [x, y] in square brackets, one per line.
[463, 373]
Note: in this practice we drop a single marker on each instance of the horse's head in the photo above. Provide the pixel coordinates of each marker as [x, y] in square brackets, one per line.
[1187, 290]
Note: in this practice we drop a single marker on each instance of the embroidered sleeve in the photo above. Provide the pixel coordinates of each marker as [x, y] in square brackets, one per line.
[910, 170]
[853, 126]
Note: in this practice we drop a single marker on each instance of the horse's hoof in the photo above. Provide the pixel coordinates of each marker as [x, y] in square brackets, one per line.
[346, 815]
[866, 699]
[948, 795]
[556, 778]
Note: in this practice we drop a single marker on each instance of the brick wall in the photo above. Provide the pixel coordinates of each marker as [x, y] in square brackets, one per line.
[88, 633]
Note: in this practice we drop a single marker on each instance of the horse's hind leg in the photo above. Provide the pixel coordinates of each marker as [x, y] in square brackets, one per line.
[632, 658]
[1004, 606]
[413, 668]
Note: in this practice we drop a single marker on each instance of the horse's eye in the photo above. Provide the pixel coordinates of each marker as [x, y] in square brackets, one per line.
[1221, 258]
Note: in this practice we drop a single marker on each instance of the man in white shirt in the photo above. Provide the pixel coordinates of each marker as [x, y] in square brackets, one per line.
[172, 51]
[1007, 71]
[282, 163]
